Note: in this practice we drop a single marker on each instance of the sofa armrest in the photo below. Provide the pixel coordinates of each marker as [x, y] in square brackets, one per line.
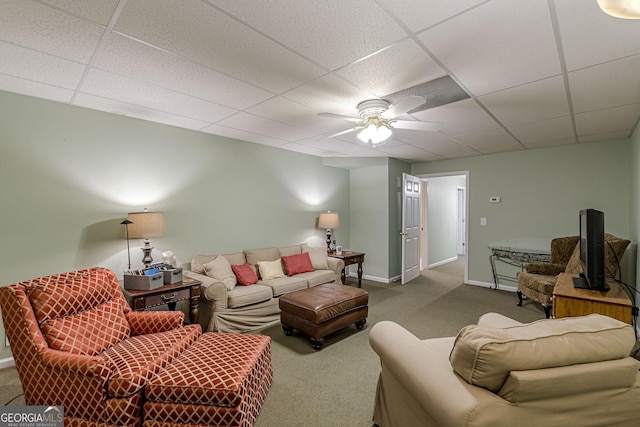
[151, 322]
[211, 289]
[495, 320]
[423, 370]
[544, 268]
[337, 266]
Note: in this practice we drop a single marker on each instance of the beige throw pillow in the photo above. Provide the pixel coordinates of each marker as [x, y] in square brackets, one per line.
[220, 269]
[270, 269]
[318, 257]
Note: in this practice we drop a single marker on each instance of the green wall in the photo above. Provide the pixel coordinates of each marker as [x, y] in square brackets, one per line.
[69, 176]
[542, 192]
[442, 214]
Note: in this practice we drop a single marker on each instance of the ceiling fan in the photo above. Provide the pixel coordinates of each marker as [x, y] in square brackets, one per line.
[377, 118]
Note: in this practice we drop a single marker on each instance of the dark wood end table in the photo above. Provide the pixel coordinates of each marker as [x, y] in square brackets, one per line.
[349, 258]
[188, 289]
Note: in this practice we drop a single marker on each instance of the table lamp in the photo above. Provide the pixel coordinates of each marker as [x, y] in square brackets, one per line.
[145, 225]
[329, 220]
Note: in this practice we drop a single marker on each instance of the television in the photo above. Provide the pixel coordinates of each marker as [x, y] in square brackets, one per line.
[591, 251]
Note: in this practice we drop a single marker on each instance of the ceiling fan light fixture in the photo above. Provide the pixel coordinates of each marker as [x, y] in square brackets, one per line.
[374, 133]
[626, 9]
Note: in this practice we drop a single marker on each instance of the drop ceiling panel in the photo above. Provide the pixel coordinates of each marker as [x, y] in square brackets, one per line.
[399, 67]
[353, 29]
[444, 146]
[611, 120]
[459, 118]
[558, 130]
[532, 102]
[504, 44]
[418, 15]
[31, 88]
[137, 92]
[205, 35]
[242, 135]
[127, 57]
[330, 94]
[407, 152]
[35, 26]
[619, 85]
[99, 11]
[137, 112]
[262, 126]
[590, 36]
[490, 142]
[40, 67]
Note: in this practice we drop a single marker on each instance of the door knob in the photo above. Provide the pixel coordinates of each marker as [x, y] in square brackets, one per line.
[404, 234]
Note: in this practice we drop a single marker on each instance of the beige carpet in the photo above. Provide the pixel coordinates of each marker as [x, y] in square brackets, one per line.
[335, 386]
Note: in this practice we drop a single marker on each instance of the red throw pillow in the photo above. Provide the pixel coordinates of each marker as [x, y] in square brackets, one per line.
[296, 264]
[245, 274]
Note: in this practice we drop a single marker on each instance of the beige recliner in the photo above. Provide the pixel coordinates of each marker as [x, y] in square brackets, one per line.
[538, 280]
[574, 371]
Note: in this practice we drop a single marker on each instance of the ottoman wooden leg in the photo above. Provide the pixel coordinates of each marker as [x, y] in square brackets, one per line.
[316, 343]
[288, 330]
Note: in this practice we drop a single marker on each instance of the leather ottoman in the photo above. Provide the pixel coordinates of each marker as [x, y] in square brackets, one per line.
[221, 380]
[322, 310]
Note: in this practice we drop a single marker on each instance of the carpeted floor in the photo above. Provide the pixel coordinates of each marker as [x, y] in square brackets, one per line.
[336, 386]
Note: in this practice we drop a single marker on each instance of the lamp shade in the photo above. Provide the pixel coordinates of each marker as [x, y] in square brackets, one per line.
[329, 220]
[145, 225]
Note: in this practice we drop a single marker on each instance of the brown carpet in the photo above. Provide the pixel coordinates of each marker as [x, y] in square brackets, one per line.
[335, 386]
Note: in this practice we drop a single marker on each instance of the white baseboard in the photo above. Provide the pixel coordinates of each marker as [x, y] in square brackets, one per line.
[7, 363]
[374, 278]
[492, 285]
[446, 261]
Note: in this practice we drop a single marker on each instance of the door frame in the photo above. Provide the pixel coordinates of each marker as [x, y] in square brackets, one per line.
[425, 219]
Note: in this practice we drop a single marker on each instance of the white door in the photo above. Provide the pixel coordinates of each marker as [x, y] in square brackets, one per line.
[410, 227]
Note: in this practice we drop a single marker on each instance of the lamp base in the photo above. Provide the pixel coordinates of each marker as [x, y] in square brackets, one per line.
[328, 240]
[146, 250]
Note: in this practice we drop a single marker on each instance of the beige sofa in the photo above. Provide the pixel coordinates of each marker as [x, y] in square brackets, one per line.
[554, 372]
[227, 306]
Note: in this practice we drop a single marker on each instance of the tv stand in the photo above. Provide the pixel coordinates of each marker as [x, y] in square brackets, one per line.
[580, 282]
[569, 301]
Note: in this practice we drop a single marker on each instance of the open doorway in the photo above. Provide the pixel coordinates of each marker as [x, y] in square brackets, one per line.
[443, 212]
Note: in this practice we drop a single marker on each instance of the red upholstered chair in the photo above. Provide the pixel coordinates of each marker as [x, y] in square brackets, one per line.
[77, 343]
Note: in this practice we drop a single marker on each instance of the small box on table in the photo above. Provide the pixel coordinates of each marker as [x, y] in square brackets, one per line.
[143, 282]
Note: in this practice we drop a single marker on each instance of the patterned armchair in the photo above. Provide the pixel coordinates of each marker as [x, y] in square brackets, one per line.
[538, 280]
[76, 343]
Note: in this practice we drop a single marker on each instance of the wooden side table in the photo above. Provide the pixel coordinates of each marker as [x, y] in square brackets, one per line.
[350, 258]
[188, 289]
[569, 301]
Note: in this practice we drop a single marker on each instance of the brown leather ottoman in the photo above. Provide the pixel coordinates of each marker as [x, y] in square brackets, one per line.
[322, 310]
[221, 380]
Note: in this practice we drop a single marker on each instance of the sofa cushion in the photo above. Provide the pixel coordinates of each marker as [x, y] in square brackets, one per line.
[138, 358]
[81, 312]
[242, 296]
[198, 261]
[296, 264]
[290, 250]
[270, 269]
[265, 254]
[283, 285]
[318, 257]
[317, 277]
[245, 274]
[220, 269]
[485, 356]
[89, 332]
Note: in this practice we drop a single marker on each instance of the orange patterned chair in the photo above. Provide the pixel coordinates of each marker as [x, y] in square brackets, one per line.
[77, 343]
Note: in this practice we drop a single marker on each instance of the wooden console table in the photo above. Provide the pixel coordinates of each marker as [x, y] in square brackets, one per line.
[569, 301]
[350, 258]
[188, 289]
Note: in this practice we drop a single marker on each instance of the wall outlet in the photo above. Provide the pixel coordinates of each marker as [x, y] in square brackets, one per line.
[494, 199]
[483, 221]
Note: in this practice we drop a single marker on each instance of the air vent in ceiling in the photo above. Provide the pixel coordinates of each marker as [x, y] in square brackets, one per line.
[440, 91]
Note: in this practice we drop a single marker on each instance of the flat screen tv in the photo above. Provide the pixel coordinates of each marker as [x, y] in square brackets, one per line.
[591, 251]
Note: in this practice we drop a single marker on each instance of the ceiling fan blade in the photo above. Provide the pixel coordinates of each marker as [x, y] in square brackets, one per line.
[341, 117]
[353, 129]
[415, 125]
[405, 104]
